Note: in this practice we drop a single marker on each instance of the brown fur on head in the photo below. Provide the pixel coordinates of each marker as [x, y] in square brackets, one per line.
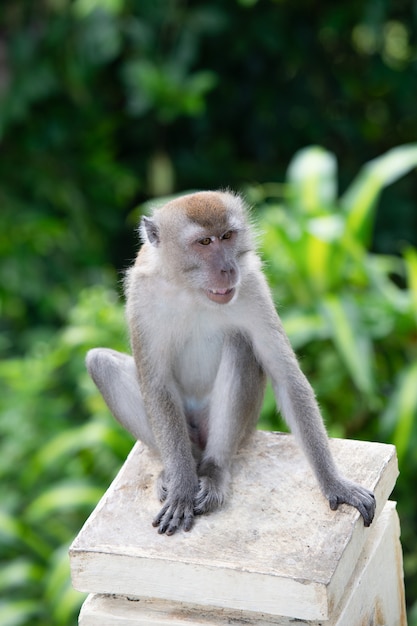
[213, 211]
[205, 208]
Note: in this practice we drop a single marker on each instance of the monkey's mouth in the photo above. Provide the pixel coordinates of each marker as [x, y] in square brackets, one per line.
[221, 296]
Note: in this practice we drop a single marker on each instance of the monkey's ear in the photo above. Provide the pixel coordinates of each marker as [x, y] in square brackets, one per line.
[149, 231]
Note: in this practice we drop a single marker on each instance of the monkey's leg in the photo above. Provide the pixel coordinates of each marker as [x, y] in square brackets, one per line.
[234, 411]
[115, 375]
[301, 411]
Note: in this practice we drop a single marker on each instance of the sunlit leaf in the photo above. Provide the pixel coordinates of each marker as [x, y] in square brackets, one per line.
[302, 328]
[313, 176]
[18, 612]
[9, 528]
[19, 573]
[68, 604]
[63, 599]
[63, 497]
[82, 8]
[317, 263]
[351, 341]
[410, 256]
[66, 444]
[327, 227]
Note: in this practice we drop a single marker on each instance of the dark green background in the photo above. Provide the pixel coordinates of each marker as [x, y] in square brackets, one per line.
[105, 105]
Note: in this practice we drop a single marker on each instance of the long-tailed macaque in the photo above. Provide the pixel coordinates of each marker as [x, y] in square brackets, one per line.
[205, 335]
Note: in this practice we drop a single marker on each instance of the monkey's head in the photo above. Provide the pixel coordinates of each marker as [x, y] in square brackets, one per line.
[200, 241]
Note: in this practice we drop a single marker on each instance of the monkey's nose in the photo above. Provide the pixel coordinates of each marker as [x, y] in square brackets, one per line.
[229, 271]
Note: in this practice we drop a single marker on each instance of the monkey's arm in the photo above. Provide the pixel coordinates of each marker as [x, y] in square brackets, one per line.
[299, 407]
[235, 404]
[180, 482]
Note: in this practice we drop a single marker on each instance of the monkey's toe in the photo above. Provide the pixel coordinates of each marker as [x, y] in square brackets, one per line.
[173, 516]
[348, 492]
[210, 496]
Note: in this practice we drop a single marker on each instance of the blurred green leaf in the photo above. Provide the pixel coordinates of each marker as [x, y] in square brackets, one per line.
[18, 612]
[313, 177]
[410, 256]
[84, 142]
[62, 497]
[18, 573]
[165, 89]
[400, 415]
[360, 198]
[58, 591]
[351, 341]
[84, 7]
[65, 445]
[10, 529]
[302, 328]
[16, 533]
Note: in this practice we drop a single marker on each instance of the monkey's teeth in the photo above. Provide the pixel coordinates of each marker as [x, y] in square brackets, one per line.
[221, 296]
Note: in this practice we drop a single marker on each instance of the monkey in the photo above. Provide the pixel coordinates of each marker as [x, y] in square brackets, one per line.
[205, 335]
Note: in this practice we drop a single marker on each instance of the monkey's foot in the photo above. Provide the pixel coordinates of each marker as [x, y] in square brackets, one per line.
[212, 491]
[178, 497]
[348, 492]
[175, 514]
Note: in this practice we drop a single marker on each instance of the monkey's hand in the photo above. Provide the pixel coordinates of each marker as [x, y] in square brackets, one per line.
[344, 491]
[178, 509]
[213, 483]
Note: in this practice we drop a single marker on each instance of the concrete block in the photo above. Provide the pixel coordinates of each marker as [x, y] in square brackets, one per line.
[275, 550]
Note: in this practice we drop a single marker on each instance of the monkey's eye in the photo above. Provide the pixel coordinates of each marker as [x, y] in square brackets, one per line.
[205, 242]
[227, 235]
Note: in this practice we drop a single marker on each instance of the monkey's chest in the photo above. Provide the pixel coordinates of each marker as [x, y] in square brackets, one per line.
[197, 362]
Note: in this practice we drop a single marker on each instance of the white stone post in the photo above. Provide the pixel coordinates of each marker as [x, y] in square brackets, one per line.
[274, 555]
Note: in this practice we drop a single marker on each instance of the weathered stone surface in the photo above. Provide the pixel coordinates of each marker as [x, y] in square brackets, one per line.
[276, 548]
[375, 595]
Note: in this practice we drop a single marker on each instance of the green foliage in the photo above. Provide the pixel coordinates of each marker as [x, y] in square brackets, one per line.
[336, 298]
[104, 103]
[107, 103]
[351, 314]
[60, 450]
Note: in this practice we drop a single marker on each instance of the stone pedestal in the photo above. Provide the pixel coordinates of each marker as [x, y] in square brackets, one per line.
[274, 554]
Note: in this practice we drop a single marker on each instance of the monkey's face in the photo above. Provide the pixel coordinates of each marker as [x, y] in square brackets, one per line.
[218, 269]
[200, 241]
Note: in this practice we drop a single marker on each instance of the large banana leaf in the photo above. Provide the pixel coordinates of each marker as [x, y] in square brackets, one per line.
[360, 198]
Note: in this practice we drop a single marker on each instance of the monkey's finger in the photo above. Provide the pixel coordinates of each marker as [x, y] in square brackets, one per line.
[367, 515]
[188, 521]
[367, 519]
[172, 521]
[173, 517]
[167, 525]
[367, 509]
[365, 503]
[158, 518]
[183, 517]
[334, 502]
